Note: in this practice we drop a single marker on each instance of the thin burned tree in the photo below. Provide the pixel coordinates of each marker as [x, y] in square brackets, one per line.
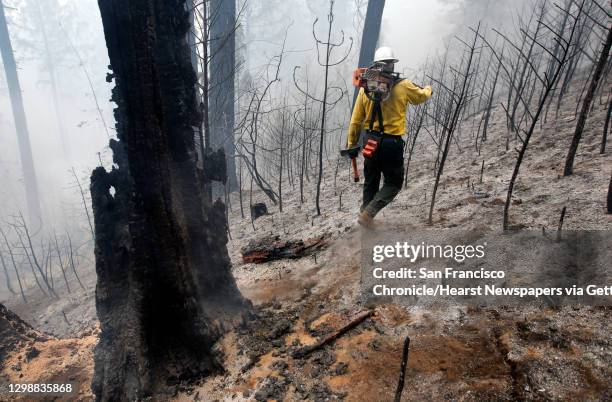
[609, 203]
[587, 101]
[60, 260]
[26, 242]
[84, 201]
[71, 260]
[457, 101]
[547, 82]
[161, 256]
[9, 249]
[525, 61]
[604, 136]
[248, 143]
[326, 105]
[489, 108]
[283, 118]
[7, 277]
[303, 124]
[417, 124]
[580, 41]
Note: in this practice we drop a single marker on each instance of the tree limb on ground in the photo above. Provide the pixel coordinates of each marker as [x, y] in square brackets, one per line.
[306, 350]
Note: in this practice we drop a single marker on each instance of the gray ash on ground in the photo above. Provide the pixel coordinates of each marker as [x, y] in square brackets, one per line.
[321, 362]
[273, 388]
[320, 392]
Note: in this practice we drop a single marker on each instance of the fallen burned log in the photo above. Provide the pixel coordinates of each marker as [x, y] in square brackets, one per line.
[358, 319]
[272, 248]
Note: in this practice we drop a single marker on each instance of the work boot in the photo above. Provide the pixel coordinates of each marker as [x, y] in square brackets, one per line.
[366, 220]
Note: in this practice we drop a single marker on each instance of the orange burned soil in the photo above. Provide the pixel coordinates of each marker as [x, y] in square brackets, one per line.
[480, 355]
[456, 353]
[53, 361]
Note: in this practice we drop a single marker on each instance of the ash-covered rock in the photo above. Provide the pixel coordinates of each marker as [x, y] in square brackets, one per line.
[32, 353]
[273, 388]
[320, 392]
[265, 331]
[321, 361]
[340, 369]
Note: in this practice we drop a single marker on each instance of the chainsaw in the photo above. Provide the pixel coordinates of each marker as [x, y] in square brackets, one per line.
[376, 82]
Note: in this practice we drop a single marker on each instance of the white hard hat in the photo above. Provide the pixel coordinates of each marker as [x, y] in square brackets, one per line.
[383, 54]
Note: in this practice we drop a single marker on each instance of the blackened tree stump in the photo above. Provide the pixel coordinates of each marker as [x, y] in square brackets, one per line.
[165, 288]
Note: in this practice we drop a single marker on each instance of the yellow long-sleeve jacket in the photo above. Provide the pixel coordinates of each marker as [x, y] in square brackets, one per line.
[393, 109]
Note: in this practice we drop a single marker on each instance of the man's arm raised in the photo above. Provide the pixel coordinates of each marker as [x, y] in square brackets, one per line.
[416, 94]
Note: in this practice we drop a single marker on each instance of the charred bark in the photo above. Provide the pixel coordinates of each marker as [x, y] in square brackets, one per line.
[161, 257]
[369, 38]
[221, 92]
[272, 248]
[586, 104]
[604, 136]
[7, 277]
[13, 263]
[459, 98]
[609, 206]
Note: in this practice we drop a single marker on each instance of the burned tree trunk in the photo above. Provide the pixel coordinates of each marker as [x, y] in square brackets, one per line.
[586, 104]
[21, 126]
[604, 137]
[609, 206]
[369, 38]
[6, 274]
[487, 117]
[14, 264]
[459, 103]
[221, 95]
[550, 83]
[161, 257]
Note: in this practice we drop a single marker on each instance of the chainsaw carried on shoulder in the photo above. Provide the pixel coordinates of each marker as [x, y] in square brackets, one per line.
[377, 85]
[376, 82]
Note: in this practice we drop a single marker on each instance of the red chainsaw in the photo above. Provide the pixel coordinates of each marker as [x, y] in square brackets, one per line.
[376, 82]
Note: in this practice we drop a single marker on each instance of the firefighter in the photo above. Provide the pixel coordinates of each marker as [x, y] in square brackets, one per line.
[383, 144]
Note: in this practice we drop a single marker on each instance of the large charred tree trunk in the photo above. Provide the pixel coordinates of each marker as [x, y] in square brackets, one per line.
[21, 126]
[221, 95]
[164, 288]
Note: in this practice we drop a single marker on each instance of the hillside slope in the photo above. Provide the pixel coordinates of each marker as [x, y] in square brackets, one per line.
[456, 353]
